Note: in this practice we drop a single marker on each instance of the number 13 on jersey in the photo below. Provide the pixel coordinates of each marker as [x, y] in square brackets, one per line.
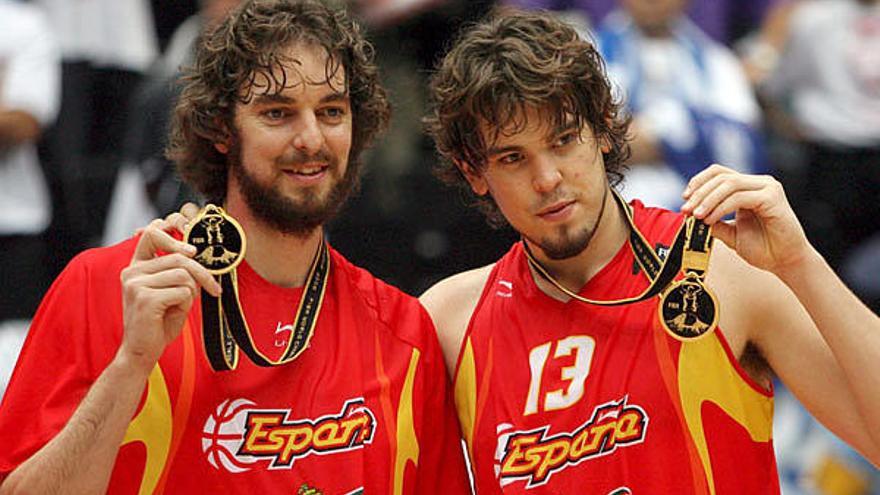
[582, 347]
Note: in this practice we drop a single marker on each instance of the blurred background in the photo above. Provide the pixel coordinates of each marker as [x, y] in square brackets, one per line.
[785, 87]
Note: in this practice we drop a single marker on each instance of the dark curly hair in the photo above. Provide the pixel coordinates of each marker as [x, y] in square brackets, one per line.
[498, 68]
[247, 52]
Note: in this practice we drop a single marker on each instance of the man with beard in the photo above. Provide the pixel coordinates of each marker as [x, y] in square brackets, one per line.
[587, 359]
[296, 370]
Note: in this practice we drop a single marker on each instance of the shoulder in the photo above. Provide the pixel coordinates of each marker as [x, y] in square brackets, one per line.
[451, 303]
[103, 261]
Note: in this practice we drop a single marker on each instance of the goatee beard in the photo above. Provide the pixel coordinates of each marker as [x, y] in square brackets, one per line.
[567, 247]
[293, 217]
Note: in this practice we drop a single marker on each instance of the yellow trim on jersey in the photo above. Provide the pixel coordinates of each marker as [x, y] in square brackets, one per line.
[152, 427]
[705, 373]
[466, 395]
[407, 442]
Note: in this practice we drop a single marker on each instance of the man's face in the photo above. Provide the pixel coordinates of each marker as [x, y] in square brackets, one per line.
[654, 15]
[289, 163]
[549, 183]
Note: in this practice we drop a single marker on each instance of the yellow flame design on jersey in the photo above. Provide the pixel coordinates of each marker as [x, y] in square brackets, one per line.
[408, 444]
[466, 395]
[705, 373]
[152, 427]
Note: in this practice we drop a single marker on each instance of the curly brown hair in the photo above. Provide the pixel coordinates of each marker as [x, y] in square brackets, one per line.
[505, 64]
[247, 52]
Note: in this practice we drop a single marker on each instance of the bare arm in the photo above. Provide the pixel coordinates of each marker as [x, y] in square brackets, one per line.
[815, 333]
[451, 303]
[157, 294]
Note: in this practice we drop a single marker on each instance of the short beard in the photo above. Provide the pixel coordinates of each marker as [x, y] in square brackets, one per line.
[567, 247]
[296, 218]
[571, 245]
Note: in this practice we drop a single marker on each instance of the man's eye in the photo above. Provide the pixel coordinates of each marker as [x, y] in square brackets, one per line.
[275, 114]
[565, 139]
[510, 158]
[333, 112]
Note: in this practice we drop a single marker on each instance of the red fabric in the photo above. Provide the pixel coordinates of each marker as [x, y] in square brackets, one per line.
[355, 368]
[523, 446]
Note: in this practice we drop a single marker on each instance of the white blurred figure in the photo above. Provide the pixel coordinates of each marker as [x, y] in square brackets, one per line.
[108, 33]
[824, 76]
[29, 99]
[688, 95]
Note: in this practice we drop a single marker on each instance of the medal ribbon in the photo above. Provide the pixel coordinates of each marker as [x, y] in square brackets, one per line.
[690, 249]
[225, 330]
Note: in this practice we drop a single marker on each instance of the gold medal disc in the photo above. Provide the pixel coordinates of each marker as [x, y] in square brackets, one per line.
[688, 310]
[219, 240]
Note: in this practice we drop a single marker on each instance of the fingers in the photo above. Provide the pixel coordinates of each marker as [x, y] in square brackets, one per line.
[189, 210]
[701, 178]
[719, 191]
[726, 233]
[180, 220]
[176, 221]
[179, 255]
[176, 261]
[158, 282]
[156, 239]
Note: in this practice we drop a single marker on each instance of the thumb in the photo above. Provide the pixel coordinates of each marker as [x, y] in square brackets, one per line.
[726, 233]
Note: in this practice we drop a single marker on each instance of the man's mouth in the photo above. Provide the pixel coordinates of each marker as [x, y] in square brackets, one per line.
[310, 170]
[555, 209]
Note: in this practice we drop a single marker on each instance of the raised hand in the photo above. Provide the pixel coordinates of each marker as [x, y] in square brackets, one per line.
[158, 289]
[765, 231]
[177, 220]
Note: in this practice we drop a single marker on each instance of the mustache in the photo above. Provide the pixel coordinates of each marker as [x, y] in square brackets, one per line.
[552, 197]
[298, 157]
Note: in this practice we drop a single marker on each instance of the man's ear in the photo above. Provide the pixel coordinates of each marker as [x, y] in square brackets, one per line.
[474, 177]
[224, 145]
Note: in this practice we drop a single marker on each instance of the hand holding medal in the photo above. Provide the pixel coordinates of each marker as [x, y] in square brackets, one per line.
[765, 231]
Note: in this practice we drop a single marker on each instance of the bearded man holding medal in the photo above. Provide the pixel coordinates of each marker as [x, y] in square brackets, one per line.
[251, 358]
[617, 349]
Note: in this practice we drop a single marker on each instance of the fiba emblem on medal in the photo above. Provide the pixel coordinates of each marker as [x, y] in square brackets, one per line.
[219, 240]
[688, 310]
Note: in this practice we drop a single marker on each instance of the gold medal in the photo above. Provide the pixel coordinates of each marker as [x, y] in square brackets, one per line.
[688, 309]
[219, 240]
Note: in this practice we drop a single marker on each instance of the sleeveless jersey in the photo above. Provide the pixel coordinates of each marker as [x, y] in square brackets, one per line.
[366, 408]
[562, 398]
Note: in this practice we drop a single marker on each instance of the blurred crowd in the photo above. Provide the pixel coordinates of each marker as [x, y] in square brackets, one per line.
[785, 87]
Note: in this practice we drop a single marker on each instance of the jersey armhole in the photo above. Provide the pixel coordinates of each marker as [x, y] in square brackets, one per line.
[751, 382]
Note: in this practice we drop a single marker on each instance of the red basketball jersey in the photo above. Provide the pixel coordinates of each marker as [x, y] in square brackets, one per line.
[563, 398]
[365, 409]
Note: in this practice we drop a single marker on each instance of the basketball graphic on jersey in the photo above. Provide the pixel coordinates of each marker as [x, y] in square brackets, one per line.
[223, 435]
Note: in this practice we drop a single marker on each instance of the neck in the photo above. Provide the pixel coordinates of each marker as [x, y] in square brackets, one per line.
[281, 259]
[612, 231]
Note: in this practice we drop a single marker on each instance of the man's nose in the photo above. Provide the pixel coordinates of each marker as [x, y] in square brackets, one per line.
[545, 174]
[308, 138]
